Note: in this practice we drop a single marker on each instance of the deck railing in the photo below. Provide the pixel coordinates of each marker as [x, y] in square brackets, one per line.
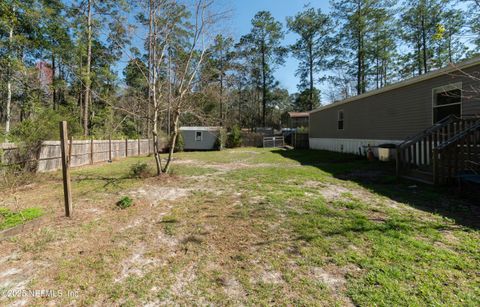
[455, 155]
[417, 151]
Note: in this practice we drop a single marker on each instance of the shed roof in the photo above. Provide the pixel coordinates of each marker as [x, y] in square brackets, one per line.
[298, 114]
[439, 72]
[198, 128]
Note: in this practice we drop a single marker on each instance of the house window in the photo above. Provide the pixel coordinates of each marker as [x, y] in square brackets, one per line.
[447, 100]
[198, 136]
[340, 120]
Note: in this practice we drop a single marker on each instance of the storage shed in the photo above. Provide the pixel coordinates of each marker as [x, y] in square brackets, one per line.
[298, 120]
[200, 138]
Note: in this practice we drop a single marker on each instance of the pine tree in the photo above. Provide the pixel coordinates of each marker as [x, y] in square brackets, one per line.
[264, 41]
[356, 19]
[312, 48]
[449, 47]
[419, 21]
[220, 62]
[382, 49]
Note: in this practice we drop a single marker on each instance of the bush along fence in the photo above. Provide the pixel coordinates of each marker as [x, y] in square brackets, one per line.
[82, 152]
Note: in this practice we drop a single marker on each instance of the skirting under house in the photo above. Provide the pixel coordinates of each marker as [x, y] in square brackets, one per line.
[353, 146]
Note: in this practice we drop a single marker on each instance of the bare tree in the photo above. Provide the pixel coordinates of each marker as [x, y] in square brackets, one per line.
[164, 20]
[186, 74]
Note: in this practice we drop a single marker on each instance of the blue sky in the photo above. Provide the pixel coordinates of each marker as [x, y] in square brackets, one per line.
[240, 14]
[243, 12]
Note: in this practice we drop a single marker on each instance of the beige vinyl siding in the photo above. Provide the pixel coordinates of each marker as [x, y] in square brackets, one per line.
[394, 114]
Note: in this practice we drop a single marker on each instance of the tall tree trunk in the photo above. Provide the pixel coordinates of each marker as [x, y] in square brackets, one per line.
[221, 88]
[264, 86]
[153, 84]
[359, 51]
[173, 140]
[54, 91]
[169, 108]
[89, 61]
[310, 68]
[424, 45]
[9, 85]
[359, 66]
[419, 58]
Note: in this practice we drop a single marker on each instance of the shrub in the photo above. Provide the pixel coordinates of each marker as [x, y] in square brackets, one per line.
[179, 144]
[29, 134]
[235, 137]
[220, 141]
[302, 130]
[125, 202]
[140, 170]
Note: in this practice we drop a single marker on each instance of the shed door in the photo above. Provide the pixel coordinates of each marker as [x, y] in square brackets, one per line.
[198, 136]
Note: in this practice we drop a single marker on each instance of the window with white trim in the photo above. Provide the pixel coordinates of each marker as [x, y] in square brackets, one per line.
[340, 120]
[198, 136]
[447, 100]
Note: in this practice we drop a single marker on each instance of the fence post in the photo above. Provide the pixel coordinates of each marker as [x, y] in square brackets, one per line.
[126, 147]
[91, 151]
[138, 147]
[110, 148]
[67, 190]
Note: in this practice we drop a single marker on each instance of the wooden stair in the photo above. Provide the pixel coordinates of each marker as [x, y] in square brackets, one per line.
[437, 154]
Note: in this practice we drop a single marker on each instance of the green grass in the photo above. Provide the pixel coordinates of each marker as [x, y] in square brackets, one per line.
[124, 202]
[405, 257]
[9, 219]
[280, 228]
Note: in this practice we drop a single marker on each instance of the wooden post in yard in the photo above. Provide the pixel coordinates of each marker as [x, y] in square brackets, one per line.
[70, 148]
[67, 189]
[138, 147]
[126, 147]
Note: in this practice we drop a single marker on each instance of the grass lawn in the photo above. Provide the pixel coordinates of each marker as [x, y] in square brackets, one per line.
[9, 219]
[246, 227]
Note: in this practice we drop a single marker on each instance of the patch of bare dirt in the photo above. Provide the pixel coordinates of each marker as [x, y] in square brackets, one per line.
[137, 264]
[155, 194]
[270, 277]
[183, 279]
[335, 279]
[333, 192]
[233, 288]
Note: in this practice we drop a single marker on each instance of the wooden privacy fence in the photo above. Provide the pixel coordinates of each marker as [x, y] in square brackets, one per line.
[252, 139]
[83, 152]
